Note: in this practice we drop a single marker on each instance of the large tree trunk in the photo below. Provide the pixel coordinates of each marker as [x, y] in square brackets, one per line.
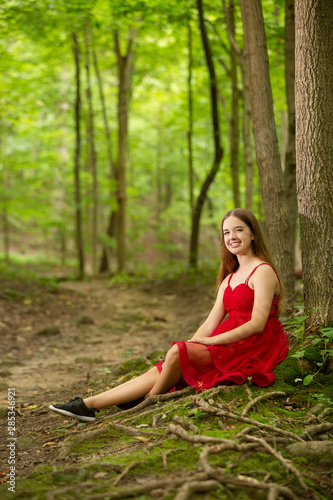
[246, 122]
[314, 152]
[91, 143]
[78, 207]
[217, 146]
[125, 70]
[290, 153]
[266, 145]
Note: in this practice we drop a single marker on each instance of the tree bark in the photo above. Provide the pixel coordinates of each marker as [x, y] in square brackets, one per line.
[111, 229]
[217, 146]
[4, 202]
[314, 152]
[78, 205]
[190, 118]
[266, 145]
[125, 70]
[290, 153]
[246, 122]
[234, 128]
[92, 149]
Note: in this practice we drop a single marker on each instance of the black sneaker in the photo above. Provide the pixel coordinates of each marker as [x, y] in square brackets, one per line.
[75, 408]
[130, 404]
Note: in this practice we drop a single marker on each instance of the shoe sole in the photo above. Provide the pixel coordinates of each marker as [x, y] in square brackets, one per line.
[72, 415]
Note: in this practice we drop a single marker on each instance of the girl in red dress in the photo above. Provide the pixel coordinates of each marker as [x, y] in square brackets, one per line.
[250, 342]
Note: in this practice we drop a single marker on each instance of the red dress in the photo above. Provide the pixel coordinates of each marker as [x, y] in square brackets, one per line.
[204, 367]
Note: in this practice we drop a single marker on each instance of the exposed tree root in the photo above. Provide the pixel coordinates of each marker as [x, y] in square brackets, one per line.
[126, 471]
[267, 395]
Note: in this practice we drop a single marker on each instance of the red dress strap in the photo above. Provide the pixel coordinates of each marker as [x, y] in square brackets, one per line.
[231, 275]
[262, 264]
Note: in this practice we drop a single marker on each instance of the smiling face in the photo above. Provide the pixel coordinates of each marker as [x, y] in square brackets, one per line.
[237, 236]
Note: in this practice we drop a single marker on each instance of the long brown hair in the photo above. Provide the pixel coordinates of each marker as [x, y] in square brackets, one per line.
[229, 261]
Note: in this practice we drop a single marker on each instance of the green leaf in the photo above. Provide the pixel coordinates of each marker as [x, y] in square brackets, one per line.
[307, 380]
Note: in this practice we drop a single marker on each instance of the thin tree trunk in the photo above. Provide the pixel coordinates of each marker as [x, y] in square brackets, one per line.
[190, 117]
[314, 152]
[4, 187]
[246, 122]
[91, 143]
[278, 226]
[125, 70]
[217, 146]
[234, 128]
[290, 153]
[111, 229]
[78, 207]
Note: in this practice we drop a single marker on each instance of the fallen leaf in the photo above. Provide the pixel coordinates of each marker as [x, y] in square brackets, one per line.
[230, 427]
[99, 475]
[31, 407]
[142, 439]
[101, 425]
[50, 443]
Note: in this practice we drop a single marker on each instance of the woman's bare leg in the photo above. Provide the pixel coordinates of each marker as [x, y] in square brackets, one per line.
[133, 389]
[170, 375]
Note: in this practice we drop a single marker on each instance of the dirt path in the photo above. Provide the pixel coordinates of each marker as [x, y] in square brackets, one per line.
[53, 338]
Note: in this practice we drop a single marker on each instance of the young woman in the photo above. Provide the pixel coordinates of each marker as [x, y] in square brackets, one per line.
[249, 343]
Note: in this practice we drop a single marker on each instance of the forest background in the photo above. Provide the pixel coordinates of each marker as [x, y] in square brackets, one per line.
[125, 128]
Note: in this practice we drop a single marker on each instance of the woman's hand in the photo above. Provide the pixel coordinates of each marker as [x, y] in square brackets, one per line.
[203, 340]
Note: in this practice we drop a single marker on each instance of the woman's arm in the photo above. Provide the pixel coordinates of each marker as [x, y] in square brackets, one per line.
[215, 316]
[265, 283]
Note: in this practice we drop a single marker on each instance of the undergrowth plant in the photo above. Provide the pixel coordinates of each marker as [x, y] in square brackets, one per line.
[323, 341]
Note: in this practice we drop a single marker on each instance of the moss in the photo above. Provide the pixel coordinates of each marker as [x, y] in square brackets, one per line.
[134, 364]
[85, 320]
[156, 356]
[49, 330]
[312, 354]
[288, 371]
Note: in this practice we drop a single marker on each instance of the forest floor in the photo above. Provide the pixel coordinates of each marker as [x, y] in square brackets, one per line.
[79, 338]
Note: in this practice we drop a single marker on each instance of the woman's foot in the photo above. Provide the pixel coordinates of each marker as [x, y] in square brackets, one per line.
[75, 408]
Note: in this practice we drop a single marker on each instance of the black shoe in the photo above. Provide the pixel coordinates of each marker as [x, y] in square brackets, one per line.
[130, 404]
[75, 408]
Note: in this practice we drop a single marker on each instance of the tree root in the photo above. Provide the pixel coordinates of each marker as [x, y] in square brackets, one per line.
[267, 395]
[239, 481]
[126, 471]
[287, 464]
[316, 429]
[211, 409]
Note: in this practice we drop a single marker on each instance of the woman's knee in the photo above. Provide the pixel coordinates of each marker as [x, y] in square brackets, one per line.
[172, 356]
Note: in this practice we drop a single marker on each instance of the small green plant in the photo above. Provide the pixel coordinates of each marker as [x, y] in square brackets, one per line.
[326, 353]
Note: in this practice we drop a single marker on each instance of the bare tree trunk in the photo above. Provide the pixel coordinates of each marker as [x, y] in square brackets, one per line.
[190, 120]
[234, 128]
[217, 146]
[266, 144]
[125, 70]
[4, 187]
[314, 111]
[78, 207]
[104, 263]
[246, 122]
[290, 154]
[91, 142]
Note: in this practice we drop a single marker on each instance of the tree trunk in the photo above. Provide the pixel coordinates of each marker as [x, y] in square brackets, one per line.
[246, 123]
[190, 118]
[217, 146]
[234, 128]
[111, 229]
[314, 111]
[125, 69]
[290, 153]
[266, 145]
[91, 143]
[78, 207]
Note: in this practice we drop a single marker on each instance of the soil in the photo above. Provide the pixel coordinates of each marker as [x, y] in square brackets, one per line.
[69, 340]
